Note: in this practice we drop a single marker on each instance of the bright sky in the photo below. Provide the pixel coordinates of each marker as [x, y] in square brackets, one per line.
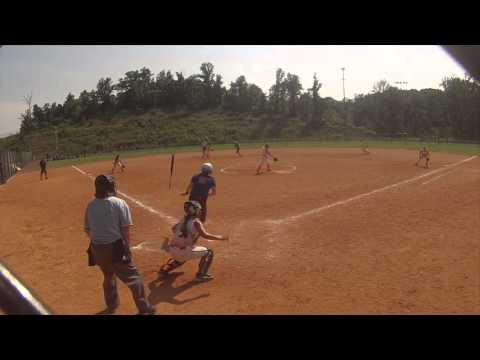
[51, 72]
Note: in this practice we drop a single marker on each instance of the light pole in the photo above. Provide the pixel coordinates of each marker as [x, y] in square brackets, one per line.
[402, 83]
[344, 103]
[56, 140]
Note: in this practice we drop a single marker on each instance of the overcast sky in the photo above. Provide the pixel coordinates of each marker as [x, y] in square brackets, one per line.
[51, 72]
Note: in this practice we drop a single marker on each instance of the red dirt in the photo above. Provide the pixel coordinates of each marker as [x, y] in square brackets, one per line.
[412, 249]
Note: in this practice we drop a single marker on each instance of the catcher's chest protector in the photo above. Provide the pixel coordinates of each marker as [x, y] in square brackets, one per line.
[189, 240]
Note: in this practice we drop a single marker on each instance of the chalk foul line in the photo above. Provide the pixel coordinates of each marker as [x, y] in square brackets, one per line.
[439, 176]
[364, 195]
[169, 219]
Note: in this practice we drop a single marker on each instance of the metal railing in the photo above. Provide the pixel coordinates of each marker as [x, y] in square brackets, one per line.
[16, 298]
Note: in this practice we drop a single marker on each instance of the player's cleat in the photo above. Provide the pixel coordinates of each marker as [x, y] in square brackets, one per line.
[150, 311]
[163, 273]
[204, 277]
[111, 310]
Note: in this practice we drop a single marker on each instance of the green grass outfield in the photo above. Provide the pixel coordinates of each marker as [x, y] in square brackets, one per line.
[455, 148]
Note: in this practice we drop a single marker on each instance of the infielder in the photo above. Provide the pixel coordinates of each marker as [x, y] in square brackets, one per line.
[181, 247]
[423, 154]
[265, 160]
[205, 150]
[201, 186]
[365, 149]
[118, 162]
[237, 148]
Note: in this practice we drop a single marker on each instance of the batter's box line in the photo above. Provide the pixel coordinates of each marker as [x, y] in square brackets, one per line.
[290, 219]
[169, 219]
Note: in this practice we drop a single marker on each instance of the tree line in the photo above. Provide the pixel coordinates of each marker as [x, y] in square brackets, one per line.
[451, 111]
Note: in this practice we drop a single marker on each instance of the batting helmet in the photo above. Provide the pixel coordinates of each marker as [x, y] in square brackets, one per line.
[207, 168]
[104, 186]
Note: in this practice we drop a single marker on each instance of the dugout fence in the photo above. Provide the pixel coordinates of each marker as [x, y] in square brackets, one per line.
[11, 162]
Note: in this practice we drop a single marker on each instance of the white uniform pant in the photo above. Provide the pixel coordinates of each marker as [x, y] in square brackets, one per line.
[187, 253]
[264, 161]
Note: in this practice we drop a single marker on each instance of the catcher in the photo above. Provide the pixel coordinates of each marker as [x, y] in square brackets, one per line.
[423, 154]
[182, 248]
[266, 156]
[118, 162]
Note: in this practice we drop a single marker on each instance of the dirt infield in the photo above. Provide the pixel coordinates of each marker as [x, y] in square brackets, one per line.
[329, 231]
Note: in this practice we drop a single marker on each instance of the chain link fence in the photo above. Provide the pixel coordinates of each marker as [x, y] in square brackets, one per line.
[11, 162]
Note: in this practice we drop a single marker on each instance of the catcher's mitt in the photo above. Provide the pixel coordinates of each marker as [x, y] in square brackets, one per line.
[275, 159]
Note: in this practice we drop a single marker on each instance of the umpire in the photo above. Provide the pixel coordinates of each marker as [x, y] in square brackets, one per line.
[107, 222]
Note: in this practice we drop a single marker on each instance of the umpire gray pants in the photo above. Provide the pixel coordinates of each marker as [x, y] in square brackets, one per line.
[125, 271]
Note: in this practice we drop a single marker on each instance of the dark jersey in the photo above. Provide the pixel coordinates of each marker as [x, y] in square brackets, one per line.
[43, 164]
[201, 185]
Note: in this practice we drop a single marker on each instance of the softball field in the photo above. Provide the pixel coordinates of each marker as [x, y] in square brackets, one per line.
[329, 231]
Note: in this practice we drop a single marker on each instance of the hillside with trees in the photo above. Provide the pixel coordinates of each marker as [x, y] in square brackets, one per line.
[143, 110]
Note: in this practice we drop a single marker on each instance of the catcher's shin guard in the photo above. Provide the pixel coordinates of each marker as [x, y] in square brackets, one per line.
[205, 263]
[171, 265]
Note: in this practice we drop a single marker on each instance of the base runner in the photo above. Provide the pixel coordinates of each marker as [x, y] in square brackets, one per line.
[265, 160]
[423, 154]
[117, 163]
[182, 247]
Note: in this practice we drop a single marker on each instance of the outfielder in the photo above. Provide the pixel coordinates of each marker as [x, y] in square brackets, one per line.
[265, 160]
[43, 169]
[201, 186]
[423, 154]
[181, 247]
[118, 162]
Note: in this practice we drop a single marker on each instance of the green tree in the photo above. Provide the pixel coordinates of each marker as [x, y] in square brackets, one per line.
[134, 90]
[277, 94]
[105, 97]
[293, 89]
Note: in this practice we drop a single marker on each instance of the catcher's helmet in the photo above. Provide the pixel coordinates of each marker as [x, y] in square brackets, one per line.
[105, 185]
[207, 168]
[192, 208]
